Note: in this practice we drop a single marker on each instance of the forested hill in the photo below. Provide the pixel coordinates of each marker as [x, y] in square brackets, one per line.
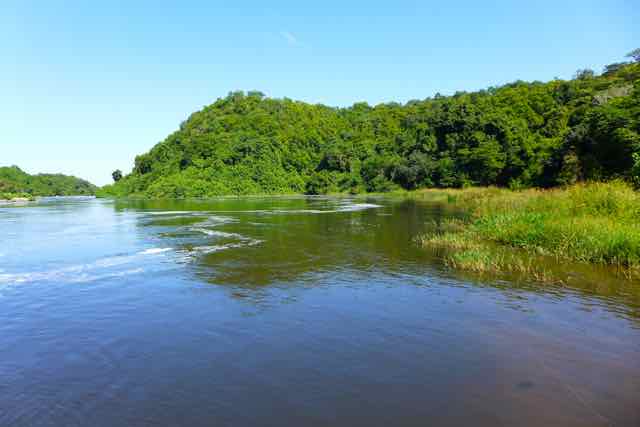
[517, 135]
[14, 182]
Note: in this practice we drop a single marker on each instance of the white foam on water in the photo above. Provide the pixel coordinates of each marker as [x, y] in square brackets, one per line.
[214, 220]
[81, 272]
[216, 233]
[299, 211]
[217, 248]
[154, 251]
[205, 227]
[175, 213]
[85, 278]
[344, 208]
[352, 207]
[35, 276]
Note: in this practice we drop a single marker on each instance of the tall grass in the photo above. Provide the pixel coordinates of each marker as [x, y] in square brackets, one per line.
[593, 222]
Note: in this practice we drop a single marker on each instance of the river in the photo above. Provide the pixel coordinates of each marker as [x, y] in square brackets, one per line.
[292, 311]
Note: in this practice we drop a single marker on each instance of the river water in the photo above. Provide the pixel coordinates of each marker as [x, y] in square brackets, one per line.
[293, 312]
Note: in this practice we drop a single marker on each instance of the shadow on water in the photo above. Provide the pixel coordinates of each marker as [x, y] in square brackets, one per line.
[250, 244]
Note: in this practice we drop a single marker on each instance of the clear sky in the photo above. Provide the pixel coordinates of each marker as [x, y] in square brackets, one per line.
[85, 86]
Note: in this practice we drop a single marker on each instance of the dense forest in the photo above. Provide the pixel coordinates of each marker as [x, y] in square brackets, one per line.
[16, 182]
[517, 135]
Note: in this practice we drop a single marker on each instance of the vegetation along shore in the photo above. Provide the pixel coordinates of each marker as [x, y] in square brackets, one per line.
[517, 141]
[522, 136]
[15, 184]
[595, 223]
[519, 135]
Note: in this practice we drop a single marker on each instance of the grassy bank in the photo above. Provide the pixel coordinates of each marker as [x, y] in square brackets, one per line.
[594, 223]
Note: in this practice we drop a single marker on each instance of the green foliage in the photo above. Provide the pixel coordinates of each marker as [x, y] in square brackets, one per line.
[13, 196]
[634, 54]
[595, 222]
[519, 135]
[585, 74]
[17, 182]
[635, 171]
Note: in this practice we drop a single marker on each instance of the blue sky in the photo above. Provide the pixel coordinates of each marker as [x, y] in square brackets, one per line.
[85, 87]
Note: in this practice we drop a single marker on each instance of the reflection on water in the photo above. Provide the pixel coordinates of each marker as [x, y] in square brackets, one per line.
[295, 311]
[285, 240]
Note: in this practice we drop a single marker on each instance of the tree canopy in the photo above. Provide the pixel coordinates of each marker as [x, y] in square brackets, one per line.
[517, 135]
[634, 54]
[116, 175]
[14, 180]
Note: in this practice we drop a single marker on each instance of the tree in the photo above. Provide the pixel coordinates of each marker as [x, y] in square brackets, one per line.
[613, 68]
[116, 175]
[15, 180]
[584, 74]
[635, 54]
[519, 134]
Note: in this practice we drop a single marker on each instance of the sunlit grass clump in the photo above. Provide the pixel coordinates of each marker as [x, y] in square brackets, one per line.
[463, 251]
[594, 222]
[13, 196]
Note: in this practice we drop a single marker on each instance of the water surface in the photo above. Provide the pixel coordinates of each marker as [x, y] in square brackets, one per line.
[293, 311]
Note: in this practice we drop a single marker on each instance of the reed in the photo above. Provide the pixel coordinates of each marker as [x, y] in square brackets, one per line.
[591, 222]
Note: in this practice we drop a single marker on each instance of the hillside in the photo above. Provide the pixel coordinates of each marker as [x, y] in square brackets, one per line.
[517, 135]
[14, 181]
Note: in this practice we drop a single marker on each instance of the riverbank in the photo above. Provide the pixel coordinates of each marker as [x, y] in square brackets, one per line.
[16, 197]
[596, 223]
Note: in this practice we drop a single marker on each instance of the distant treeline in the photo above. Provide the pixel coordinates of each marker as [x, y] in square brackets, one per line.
[517, 135]
[16, 182]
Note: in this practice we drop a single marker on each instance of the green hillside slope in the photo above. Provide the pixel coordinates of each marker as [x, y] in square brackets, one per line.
[14, 181]
[517, 135]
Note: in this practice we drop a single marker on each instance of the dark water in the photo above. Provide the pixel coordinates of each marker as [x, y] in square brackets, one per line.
[292, 312]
